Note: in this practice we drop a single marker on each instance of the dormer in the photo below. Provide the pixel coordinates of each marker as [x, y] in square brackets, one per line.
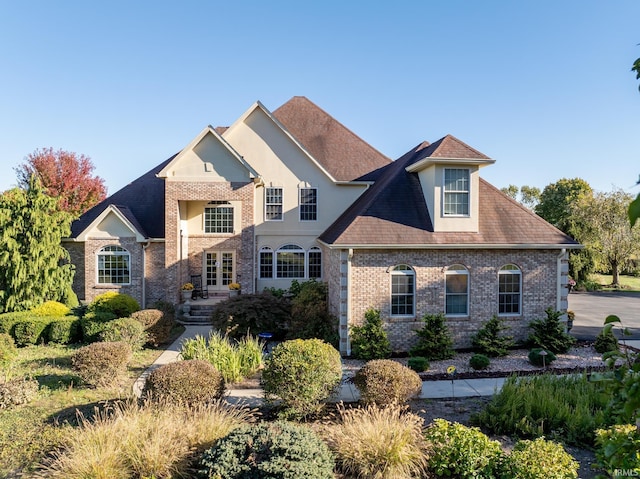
[449, 176]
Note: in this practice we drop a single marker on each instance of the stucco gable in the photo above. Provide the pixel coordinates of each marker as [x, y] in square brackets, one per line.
[113, 222]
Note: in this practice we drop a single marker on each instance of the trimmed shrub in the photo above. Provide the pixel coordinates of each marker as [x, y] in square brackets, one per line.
[184, 382]
[8, 320]
[384, 381]
[101, 364]
[269, 450]
[92, 324]
[479, 361]
[251, 314]
[127, 330]
[51, 308]
[370, 340]
[461, 451]
[17, 391]
[7, 350]
[119, 304]
[434, 339]
[310, 317]
[157, 324]
[491, 341]
[418, 363]
[301, 374]
[148, 317]
[540, 459]
[375, 442]
[549, 334]
[30, 331]
[618, 447]
[65, 330]
[605, 341]
[538, 359]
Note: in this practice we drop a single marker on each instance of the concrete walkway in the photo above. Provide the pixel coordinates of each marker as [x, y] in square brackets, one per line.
[456, 388]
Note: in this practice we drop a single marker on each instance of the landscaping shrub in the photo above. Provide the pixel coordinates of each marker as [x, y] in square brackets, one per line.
[157, 323]
[185, 382]
[252, 314]
[605, 341]
[418, 363]
[384, 381]
[148, 317]
[7, 320]
[302, 374]
[549, 334]
[434, 339]
[267, 451]
[30, 331]
[127, 330]
[373, 442]
[120, 304]
[461, 451]
[479, 361]
[65, 330]
[7, 350]
[101, 364]
[618, 447]
[491, 341]
[17, 391]
[51, 308]
[538, 359]
[540, 459]
[92, 324]
[370, 340]
[569, 408]
[310, 317]
[70, 298]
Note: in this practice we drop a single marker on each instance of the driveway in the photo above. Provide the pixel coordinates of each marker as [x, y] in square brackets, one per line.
[591, 309]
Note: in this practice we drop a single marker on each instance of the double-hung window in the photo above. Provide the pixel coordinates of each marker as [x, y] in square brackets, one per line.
[114, 265]
[457, 290]
[509, 290]
[456, 192]
[308, 204]
[266, 262]
[314, 261]
[273, 204]
[218, 217]
[403, 288]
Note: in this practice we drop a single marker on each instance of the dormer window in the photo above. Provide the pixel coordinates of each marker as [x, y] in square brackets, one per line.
[456, 192]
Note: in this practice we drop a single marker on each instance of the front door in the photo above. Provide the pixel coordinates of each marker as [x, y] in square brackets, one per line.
[219, 270]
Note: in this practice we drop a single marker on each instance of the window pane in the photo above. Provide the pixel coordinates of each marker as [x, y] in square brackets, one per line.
[266, 264]
[315, 264]
[218, 219]
[308, 204]
[273, 204]
[402, 292]
[290, 262]
[456, 293]
[456, 191]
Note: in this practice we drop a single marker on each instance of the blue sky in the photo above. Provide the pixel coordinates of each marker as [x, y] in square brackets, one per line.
[543, 87]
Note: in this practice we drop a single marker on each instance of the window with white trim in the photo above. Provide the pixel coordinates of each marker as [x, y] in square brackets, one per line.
[403, 289]
[457, 290]
[308, 204]
[290, 261]
[113, 265]
[314, 261]
[266, 262]
[456, 192]
[273, 204]
[218, 217]
[509, 290]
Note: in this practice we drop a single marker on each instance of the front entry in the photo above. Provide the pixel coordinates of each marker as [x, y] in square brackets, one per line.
[219, 270]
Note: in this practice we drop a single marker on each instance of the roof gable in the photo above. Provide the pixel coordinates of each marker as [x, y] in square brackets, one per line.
[114, 221]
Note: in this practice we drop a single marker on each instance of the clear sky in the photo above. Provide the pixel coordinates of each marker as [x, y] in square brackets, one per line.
[544, 87]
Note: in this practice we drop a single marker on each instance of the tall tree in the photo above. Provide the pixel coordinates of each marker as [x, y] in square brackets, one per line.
[600, 223]
[526, 195]
[34, 266]
[65, 175]
[556, 200]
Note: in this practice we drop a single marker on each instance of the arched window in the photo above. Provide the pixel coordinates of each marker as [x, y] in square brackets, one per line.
[457, 290]
[509, 290]
[314, 261]
[114, 265]
[290, 261]
[403, 290]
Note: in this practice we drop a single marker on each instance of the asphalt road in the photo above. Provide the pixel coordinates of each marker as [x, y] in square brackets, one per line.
[591, 309]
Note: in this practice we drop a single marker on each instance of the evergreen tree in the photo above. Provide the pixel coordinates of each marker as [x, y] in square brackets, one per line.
[34, 267]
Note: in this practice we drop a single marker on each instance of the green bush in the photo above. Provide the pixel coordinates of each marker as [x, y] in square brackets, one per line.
[618, 447]
[65, 330]
[51, 308]
[461, 451]
[491, 341]
[434, 339]
[252, 314]
[8, 320]
[119, 304]
[31, 331]
[310, 317]
[605, 341]
[479, 361]
[302, 374]
[538, 359]
[17, 391]
[184, 382]
[70, 298]
[157, 323]
[384, 382]
[549, 334]
[8, 350]
[540, 459]
[92, 324]
[101, 364]
[127, 330]
[268, 451]
[370, 340]
[418, 363]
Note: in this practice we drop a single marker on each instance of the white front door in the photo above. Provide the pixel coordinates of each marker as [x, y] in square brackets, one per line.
[219, 270]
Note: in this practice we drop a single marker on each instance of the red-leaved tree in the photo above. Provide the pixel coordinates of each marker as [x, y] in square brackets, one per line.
[65, 175]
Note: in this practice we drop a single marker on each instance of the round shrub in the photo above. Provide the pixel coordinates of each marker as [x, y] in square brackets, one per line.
[268, 451]
[17, 391]
[536, 358]
[127, 330]
[540, 459]
[101, 364]
[30, 331]
[302, 374]
[605, 341]
[157, 323]
[461, 451]
[122, 305]
[479, 361]
[147, 317]
[418, 363]
[384, 381]
[65, 331]
[7, 350]
[92, 325]
[51, 308]
[184, 382]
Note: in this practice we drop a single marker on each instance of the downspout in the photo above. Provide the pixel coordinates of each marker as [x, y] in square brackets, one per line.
[348, 307]
[144, 274]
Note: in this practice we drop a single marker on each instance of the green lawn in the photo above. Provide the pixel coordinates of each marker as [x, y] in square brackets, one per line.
[629, 283]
